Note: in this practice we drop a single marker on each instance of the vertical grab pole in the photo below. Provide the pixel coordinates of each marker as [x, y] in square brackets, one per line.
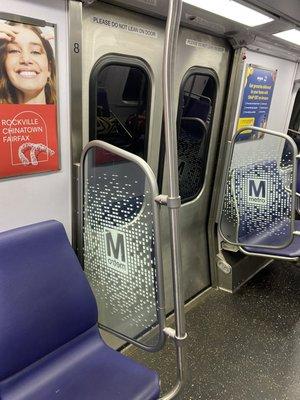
[173, 198]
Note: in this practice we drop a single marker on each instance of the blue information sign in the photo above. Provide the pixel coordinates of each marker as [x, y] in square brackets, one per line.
[256, 101]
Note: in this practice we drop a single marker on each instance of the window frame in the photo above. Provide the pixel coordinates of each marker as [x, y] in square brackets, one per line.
[126, 61]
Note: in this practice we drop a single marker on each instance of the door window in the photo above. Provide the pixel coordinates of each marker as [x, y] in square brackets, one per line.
[119, 106]
[195, 115]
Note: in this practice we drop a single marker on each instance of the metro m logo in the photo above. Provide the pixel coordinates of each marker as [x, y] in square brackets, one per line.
[257, 191]
[115, 246]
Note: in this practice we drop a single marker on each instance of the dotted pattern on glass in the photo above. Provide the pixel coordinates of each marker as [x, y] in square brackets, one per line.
[257, 208]
[190, 163]
[119, 255]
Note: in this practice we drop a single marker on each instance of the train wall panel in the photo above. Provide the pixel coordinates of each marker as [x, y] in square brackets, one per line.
[281, 104]
[286, 72]
[29, 199]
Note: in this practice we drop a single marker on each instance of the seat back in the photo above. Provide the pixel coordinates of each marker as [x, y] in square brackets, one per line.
[102, 102]
[199, 107]
[298, 177]
[259, 189]
[263, 204]
[45, 298]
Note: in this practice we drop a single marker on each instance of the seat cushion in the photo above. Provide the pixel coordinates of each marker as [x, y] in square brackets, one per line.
[84, 369]
[292, 250]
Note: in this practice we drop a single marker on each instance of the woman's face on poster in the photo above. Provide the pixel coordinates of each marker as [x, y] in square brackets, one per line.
[26, 62]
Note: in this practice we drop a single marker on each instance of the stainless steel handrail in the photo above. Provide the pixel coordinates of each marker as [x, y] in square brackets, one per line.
[170, 47]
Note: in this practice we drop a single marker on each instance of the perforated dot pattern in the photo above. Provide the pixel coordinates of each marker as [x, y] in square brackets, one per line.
[267, 223]
[258, 204]
[119, 239]
[191, 164]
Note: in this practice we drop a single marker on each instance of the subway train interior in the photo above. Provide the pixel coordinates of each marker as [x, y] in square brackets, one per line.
[150, 200]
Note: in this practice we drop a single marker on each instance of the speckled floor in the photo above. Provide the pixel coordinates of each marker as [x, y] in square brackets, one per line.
[244, 346]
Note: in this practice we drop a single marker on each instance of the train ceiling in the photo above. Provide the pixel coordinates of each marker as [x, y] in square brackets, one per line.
[285, 15]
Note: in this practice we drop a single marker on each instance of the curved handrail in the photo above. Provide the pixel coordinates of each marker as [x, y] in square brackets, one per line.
[199, 120]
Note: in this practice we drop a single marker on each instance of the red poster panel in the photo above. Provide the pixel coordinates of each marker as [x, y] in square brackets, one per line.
[28, 111]
[28, 139]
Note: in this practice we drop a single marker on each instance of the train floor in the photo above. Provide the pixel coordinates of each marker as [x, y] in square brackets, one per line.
[242, 346]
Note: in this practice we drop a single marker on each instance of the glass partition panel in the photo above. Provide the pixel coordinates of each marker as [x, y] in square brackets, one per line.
[259, 192]
[121, 255]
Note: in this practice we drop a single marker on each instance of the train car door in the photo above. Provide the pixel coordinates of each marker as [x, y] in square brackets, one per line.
[201, 78]
[122, 105]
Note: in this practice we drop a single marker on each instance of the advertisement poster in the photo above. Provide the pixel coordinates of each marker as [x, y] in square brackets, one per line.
[256, 100]
[28, 114]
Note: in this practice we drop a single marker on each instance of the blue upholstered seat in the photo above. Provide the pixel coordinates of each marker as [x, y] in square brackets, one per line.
[292, 250]
[298, 177]
[50, 347]
[268, 223]
[196, 107]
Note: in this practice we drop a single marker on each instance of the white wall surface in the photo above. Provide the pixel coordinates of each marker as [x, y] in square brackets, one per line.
[29, 199]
